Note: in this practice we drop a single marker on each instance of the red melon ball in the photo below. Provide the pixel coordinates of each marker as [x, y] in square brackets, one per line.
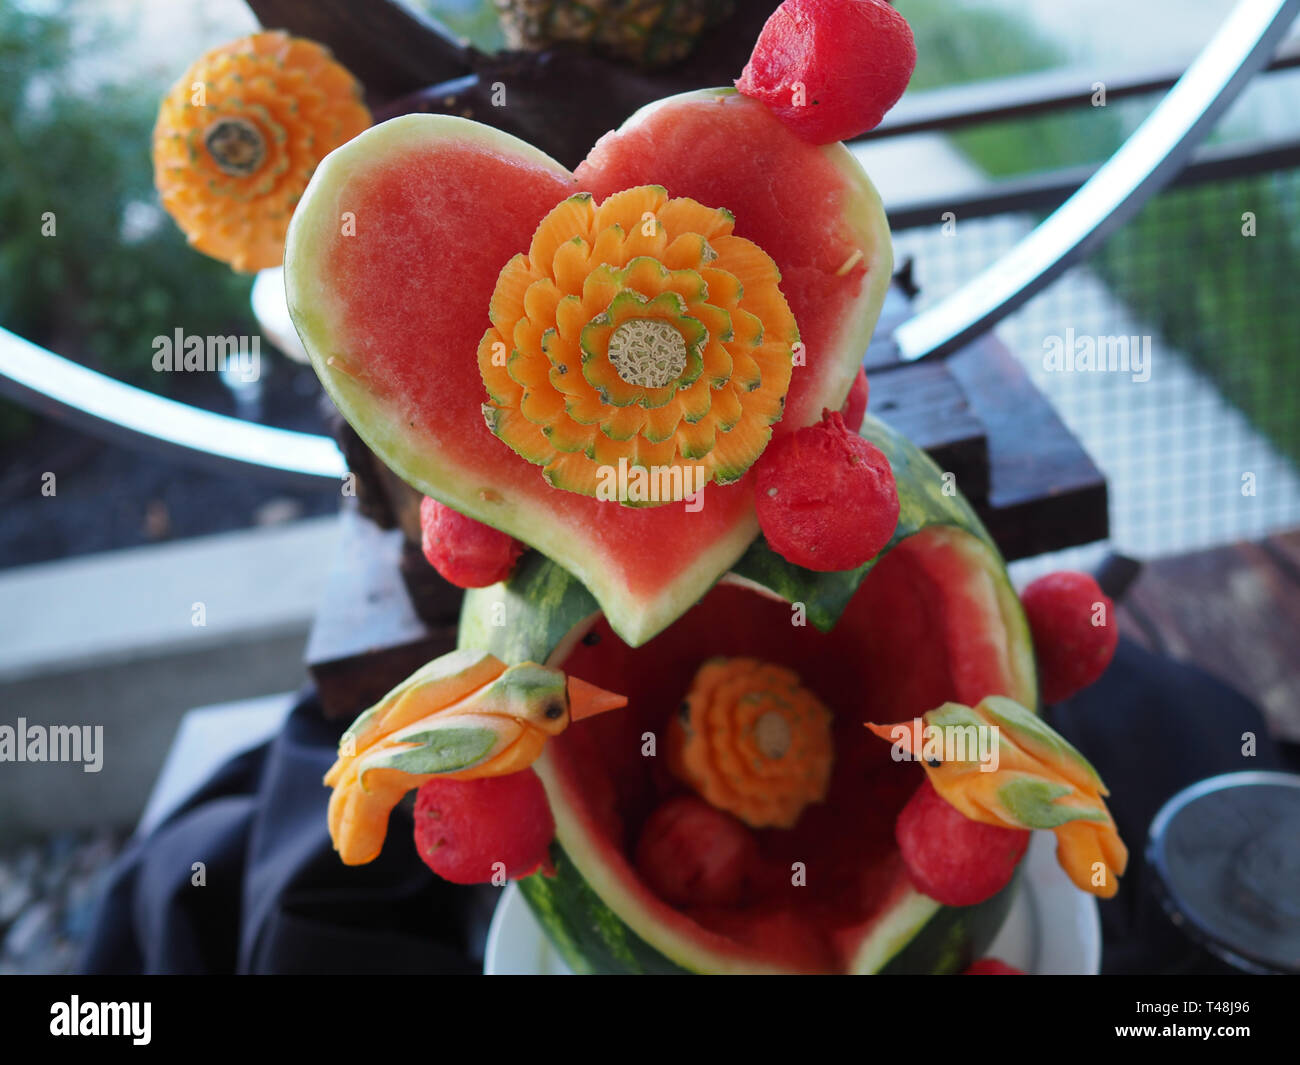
[694, 855]
[951, 858]
[465, 552]
[825, 497]
[467, 831]
[1075, 631]
[830, 69]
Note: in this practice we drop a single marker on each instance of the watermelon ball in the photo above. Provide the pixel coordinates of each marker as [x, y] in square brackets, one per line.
[855, 407]
[692, 854]
[951, 858]
[830, 69]
[464, 828]
[826, 498]
[465, 552]
[992, 967]
[1075, 631]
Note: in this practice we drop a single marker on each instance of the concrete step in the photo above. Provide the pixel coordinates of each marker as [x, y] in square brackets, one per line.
[128, 641]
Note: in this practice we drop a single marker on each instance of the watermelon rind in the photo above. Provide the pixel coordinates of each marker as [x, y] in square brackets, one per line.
[916, 936]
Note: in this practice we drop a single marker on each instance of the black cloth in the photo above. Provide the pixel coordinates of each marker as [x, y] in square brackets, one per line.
[277, 900]
[1151, 727]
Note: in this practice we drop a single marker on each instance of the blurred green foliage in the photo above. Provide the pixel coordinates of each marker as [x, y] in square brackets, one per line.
[959, 44]
[117, 272]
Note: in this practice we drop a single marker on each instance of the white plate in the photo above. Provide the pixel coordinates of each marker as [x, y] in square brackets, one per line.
[1052, 927]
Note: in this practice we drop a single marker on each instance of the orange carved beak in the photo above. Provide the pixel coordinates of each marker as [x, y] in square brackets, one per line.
[586, 700]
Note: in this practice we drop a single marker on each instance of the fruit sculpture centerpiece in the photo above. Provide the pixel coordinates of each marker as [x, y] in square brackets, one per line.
[722, 627]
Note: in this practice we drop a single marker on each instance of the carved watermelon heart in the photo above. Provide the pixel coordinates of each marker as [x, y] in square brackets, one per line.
[393, 256]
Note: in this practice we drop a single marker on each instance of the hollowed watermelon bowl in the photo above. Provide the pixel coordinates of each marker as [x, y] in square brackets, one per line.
[933, 618]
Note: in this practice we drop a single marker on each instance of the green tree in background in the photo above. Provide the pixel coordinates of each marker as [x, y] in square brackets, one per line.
[75, 162]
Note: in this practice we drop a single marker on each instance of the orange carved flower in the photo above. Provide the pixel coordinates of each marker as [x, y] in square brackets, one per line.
[750, 739]
[643, 330]
[239, 135]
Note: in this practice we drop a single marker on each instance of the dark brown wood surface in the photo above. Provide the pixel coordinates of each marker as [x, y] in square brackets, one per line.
[560, 99]
[367, 637]
[1045, 493]
[927, 405]
[389, 48]
[1233, 611]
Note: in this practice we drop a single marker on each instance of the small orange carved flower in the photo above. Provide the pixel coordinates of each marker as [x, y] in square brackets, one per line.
[752, 740]
[639, 329]
[239, 135]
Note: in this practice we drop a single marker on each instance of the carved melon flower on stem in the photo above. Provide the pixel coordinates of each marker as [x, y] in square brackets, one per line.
[239, 135]
[639, 329]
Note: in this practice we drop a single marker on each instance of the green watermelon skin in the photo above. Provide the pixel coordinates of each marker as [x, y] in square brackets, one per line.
[954, 937]
[590, 936]
[540, 613]
[594, 940]
[921, 505]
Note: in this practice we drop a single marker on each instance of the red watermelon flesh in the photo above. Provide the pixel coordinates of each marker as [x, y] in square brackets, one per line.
[831, 68]
[392, 306]
[882, 662]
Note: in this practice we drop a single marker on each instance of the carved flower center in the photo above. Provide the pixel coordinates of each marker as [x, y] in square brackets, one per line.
[647, 352]
[772, 734]
[236, 146]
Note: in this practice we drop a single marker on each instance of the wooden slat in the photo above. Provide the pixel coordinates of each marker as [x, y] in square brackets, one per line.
[389, 48]
[367, 636]
[1045, 493]
[1285, 548]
